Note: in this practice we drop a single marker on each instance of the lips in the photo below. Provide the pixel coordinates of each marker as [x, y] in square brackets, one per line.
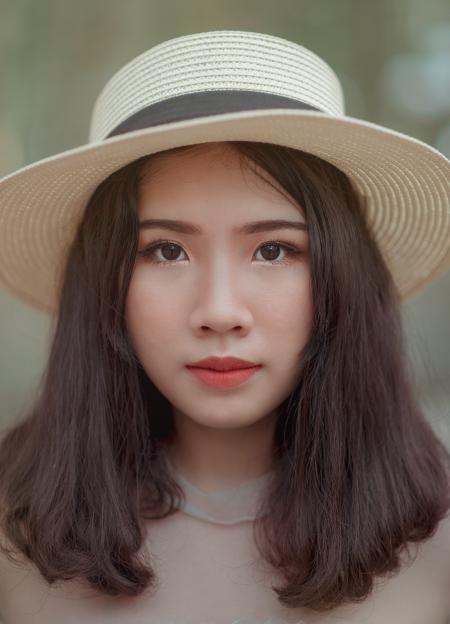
[223, 364]
[223, 379]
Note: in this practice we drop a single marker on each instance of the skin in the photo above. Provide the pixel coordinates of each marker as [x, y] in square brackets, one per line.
[222, 303]
[219, 293]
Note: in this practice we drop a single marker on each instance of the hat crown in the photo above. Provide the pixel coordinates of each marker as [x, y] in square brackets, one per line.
[223, 60]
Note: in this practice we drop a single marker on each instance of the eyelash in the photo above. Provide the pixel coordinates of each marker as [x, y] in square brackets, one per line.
[291, 252]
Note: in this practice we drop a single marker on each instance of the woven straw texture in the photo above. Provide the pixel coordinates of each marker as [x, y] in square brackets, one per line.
[405, 183]
[212, 61]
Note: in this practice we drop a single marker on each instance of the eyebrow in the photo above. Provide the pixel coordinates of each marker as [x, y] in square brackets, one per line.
[252, 227]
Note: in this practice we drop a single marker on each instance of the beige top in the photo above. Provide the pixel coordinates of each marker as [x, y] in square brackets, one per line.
[211, 573]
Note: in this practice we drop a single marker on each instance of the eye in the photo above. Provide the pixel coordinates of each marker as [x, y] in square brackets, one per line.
[170, 251]
[273, 248]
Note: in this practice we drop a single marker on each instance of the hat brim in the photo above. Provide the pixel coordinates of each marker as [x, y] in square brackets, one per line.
[405, 183]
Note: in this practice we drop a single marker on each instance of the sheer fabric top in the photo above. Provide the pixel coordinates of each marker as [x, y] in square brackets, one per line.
[227, 506]
[209, 571]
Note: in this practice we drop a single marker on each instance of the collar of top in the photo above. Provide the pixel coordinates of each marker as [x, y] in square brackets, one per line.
[225, 506]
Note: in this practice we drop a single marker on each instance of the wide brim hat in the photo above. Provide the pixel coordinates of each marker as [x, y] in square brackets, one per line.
[218, 86]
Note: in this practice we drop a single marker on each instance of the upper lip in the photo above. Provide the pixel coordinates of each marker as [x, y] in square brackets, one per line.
[223, 363]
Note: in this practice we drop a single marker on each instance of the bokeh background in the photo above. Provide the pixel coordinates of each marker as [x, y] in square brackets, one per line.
[392, 56]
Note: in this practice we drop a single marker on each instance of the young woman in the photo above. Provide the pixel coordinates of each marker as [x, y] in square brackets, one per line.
[226, 430]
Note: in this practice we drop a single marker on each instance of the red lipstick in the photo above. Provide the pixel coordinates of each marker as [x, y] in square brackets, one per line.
[223, 372]
[223, 363]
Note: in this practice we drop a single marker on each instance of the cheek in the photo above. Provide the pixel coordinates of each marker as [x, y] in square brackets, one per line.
[147, 306]
[287, 305]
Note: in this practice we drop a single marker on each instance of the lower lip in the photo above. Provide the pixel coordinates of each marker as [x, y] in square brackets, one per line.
[223, 379]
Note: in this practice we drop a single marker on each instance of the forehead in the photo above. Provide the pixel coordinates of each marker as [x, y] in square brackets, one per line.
[208, 179]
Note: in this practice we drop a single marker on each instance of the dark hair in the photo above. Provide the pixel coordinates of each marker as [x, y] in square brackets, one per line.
[359, 472]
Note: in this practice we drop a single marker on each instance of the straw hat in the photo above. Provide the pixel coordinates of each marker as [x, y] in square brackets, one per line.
[218, 86]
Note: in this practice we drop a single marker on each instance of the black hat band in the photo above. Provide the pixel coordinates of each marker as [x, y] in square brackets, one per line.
[200, 104]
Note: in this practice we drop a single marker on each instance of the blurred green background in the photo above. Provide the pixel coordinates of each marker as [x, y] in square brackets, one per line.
[392, 57]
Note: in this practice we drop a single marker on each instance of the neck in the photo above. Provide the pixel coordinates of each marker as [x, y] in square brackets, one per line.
[213, 458]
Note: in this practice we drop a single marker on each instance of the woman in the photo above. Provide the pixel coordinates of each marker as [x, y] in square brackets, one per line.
[142, 487]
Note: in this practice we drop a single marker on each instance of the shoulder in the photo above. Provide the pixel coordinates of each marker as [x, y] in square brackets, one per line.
[435, 556]
[436, 549]
[441, 542]
[441, 545]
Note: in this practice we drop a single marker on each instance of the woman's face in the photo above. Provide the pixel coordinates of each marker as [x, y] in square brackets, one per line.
[219, 292]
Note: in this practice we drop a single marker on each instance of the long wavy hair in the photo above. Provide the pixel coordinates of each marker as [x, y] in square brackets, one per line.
[359, 472]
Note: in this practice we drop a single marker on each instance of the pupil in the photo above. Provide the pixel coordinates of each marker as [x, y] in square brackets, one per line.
[173, 250]
[274, 251]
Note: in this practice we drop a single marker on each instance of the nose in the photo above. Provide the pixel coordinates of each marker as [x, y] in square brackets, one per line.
[221, 304]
